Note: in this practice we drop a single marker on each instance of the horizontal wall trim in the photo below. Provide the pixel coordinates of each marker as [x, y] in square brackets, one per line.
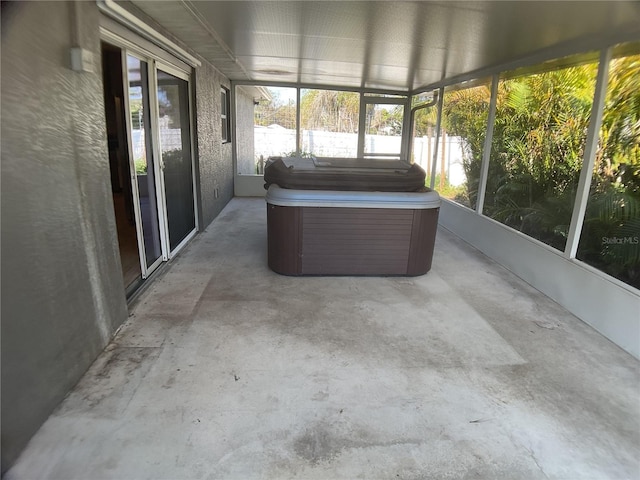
[608, 305]
[122, 15]
[117, 34]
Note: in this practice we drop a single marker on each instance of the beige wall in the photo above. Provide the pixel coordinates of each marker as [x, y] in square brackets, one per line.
[62, 291]
[245, 136]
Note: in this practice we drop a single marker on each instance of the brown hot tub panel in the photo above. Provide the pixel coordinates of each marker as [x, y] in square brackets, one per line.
[350, 232]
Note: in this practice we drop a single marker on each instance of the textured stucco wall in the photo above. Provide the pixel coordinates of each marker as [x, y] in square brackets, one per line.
[214, 158]
[62, 290]
[245, 149]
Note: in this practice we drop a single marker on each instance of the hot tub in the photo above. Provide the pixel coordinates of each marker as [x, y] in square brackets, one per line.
[357, 174]
[328, 232]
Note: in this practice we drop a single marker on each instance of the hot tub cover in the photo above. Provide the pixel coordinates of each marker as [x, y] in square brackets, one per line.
[343, 174]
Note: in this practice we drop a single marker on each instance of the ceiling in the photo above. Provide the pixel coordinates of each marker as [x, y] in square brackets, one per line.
[386, 44]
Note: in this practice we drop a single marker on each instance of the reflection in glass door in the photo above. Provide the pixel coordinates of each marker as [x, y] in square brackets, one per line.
[175, 151]
[141, 147]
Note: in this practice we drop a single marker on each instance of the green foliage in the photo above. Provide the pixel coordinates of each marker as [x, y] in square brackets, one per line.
[424, 122]
[385, 120]
[276, 111]
[141, 166]
[446, 190]
[330, 110]
[537, 154]
[611, 233]
[293, 153]
[465, 115]
[610, 237]
[537, 150]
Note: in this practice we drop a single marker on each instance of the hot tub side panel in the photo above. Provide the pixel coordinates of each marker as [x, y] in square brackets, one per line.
[355, 241]
[423, 240]
[284, 239]
[350, 241]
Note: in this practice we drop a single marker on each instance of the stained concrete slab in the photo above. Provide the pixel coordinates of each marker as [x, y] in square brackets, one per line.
[228, 370]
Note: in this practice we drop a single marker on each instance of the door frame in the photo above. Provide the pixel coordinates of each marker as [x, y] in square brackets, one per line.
[186, 76]
[160, 205]
[156, 58]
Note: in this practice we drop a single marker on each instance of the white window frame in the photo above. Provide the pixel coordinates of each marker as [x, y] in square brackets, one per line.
[225, 114]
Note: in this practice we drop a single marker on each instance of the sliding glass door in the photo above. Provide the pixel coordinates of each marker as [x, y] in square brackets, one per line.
[175, 154]
[161, 168]
[143, 165]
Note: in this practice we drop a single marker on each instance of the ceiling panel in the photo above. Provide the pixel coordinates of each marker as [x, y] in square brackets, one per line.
[384, 44]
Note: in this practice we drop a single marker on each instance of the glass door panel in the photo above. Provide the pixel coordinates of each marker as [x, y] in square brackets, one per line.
[142, 155]
[175, 150]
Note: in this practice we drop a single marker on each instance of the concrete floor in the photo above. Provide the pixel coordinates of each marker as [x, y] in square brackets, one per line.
[228, 370]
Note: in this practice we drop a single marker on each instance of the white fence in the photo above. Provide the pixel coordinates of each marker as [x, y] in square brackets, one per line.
[277, 141]
[271, 141]
[170, 139]
[423, 149]
[280, 141]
